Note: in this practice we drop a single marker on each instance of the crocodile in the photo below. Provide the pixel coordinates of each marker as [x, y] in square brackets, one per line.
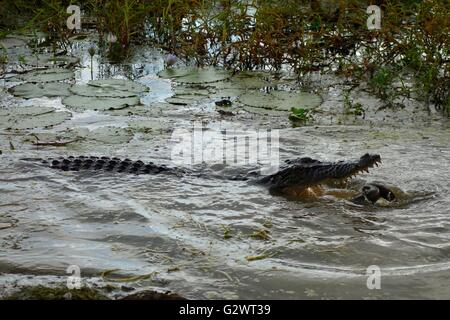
[302, 177]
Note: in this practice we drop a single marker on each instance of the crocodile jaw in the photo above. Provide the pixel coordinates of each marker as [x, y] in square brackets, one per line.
[302, 176]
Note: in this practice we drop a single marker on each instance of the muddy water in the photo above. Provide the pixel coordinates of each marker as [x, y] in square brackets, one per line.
[195, 233]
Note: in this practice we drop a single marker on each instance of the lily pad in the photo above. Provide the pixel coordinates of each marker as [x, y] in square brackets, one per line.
[252, 80]
[119, 84]
[91, 91]
[191, 90]
[46, 75]
[280, 100]
[185, 99]
[148, 126]
[47, 59]
[105, 94]
[264, 112]
[30, 121]
[38, 90]
[247, 80]
[170, 73]
[152, 111]
[99, 103]
[27, 110]
[227, 93]
[110, 135]
[195, 75]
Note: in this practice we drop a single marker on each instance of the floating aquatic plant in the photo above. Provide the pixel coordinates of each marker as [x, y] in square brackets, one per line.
[280, 100]
[48, 60]
[300, 115]
[99, 103]
[113, 88]
[31, 117]
[149, 126]
[195, 75]
[39, 90]
[45, 75]
[120, 84]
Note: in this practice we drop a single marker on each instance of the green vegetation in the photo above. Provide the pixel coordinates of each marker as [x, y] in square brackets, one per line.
[352, 108]
[300, 115]
[307, 36]
[56, 293]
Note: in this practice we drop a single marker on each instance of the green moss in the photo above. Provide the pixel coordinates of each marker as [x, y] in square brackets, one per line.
[56, 293]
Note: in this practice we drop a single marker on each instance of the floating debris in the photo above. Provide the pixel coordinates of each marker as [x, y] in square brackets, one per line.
[5, 225]
[260, 257]
[223, 103]
[262, 234]
[153, 295]
[106, 275]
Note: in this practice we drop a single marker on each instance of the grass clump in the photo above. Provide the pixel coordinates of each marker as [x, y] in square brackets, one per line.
[300, 115]
[56, 293]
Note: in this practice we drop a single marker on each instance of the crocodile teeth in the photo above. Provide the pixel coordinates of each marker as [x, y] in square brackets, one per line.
[376, 164]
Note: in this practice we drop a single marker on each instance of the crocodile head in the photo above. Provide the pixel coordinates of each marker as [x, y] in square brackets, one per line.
[306, 172]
